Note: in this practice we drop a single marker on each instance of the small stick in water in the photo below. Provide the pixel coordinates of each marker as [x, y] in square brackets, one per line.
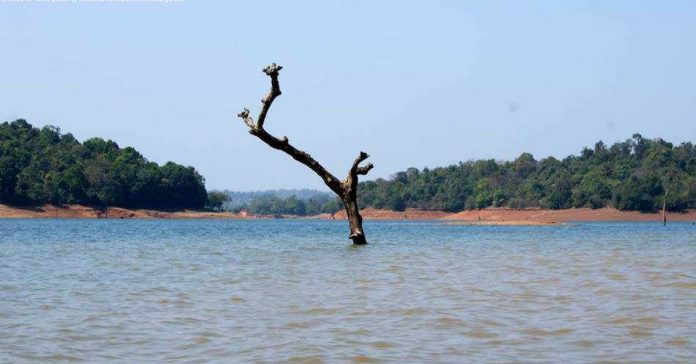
[664, 208]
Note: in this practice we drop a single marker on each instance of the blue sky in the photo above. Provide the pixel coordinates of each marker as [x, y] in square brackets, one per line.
[412, 83]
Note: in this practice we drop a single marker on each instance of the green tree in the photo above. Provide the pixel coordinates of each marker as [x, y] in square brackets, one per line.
[46, 166]
[216, 200]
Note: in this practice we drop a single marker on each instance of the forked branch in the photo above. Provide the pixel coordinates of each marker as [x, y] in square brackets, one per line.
[357, 169]
[272, 72]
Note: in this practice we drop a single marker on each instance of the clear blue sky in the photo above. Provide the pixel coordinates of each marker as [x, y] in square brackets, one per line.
[412, 83]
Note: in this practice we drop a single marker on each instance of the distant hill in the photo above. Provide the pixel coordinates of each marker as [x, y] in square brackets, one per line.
[244, 198]
[284, 202]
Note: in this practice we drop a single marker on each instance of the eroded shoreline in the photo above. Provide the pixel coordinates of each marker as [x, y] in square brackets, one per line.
[490, 216]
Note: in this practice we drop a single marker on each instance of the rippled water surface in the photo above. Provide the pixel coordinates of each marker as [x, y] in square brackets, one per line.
[278, 291]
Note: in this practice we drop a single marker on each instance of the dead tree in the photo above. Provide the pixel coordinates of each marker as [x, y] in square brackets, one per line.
[346, 189]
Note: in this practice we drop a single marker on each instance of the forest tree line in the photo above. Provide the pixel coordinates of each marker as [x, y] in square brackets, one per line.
[272, 204]
[629, 175]
[45, 166]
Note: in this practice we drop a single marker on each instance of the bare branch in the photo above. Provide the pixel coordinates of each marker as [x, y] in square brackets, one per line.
[303, 157]
[283, 144]
[247, 119]
[356, 169]
[272, 72]
[361, 157]
[364, 169]
[346, 190]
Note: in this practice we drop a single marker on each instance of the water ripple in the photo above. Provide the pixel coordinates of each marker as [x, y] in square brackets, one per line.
[295, 291]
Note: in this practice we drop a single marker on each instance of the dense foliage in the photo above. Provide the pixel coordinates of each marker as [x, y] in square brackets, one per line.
[45, 166]
[270, 204]
[630, 175]
[217, 200]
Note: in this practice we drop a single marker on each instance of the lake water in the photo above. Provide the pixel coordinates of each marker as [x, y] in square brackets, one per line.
[297, 291]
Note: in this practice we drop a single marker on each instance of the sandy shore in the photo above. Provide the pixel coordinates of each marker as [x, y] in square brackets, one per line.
[491, 216]
[90, 212]
[499, 216]
[539, 216]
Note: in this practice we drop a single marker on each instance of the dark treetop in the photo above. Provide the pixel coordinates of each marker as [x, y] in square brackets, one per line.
[45, 166]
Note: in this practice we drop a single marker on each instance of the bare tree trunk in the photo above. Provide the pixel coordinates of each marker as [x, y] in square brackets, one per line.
[346, 189]
[355, 222]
